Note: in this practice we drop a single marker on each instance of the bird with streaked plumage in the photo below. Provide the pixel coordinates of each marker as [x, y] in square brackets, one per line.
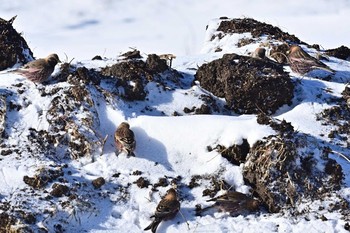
[302, 63]
[125, 139]
[38, 71]
[167, 209]
[233, 202]
[259, 52]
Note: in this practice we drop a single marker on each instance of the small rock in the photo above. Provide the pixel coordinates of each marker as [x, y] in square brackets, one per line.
[142, 182]
[98, 182]
[58, 190]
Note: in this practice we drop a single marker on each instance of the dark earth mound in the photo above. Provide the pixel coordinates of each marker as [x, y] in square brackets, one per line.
[13, 48]
[341, 52]
[134, 74]
[257, 29]
[283, 172]
[249, 85]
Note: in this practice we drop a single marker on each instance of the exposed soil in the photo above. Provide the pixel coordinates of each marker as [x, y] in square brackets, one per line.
[142, 182]
[249, 85]
[341, 52]
[98, 182]
[13, 48]
[43, 177]
[59, 190]
[282, 172]
[134, 74]
[257, 29]
[236, 154]
[338, 116]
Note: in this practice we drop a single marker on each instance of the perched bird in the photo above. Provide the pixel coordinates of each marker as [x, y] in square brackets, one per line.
[259, 53]
[166, 210]
[125, 139]
[235, 203]
[39, 70]
[302, 63]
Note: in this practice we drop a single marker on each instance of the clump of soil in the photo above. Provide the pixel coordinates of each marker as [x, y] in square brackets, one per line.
[257, 29]
[216, 186]
[43, 177]
[283, 128]
[341, 52]
[98, 182]
[6, 221]
[76, 133]
[134, 54]
[249, 85]
[42, 142]
[134, 74]
[13, 48]
[236, 154]
[59, 190]
[284, 171]
[162, 182]
[142, 182]
[194, 181]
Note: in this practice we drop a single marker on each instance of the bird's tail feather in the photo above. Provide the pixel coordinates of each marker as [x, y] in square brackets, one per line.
[325, 68]
[153, 226]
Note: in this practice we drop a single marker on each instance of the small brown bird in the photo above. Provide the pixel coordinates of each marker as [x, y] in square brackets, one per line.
[167, 209]
[39, 70]
[259, 53]
[302, 63]
[125, 139]
[235, 203]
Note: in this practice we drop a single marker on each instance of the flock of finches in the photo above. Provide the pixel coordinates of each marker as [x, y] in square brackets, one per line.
[235, 203]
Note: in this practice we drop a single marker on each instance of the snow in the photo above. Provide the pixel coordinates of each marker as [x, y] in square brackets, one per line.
[82, 29]
[166, 146]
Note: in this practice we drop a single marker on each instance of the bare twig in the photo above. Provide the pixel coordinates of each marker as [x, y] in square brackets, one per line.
[188, 225]
[341, 155]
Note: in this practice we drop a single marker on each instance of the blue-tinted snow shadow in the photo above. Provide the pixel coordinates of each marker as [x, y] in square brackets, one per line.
[308, 91]
[150, 148]
[341, 77]
[83, 24]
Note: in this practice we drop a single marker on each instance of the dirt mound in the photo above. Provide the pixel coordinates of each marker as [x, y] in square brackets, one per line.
[341, 52]
[236, 154]
[13, 48]
[284, 172]
[134, 74]
[249, 85]
[43, 177]
[257, 29]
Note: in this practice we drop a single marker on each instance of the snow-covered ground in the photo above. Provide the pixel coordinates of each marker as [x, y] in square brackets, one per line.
[167, 146]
